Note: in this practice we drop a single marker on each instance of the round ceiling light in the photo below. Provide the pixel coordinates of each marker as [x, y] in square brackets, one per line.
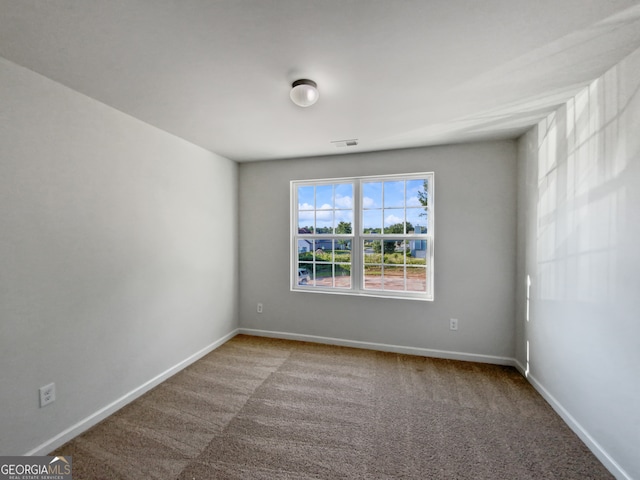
[304, 93]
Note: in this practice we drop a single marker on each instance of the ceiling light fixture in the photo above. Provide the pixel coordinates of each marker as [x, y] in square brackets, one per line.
[304, 93]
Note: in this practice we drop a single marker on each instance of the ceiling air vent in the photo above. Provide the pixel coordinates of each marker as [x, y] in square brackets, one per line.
[346, 143]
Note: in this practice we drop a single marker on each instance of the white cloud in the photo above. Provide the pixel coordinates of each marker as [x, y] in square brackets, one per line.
[368, 202]
[413, 202]
[392, 220]
[343, 202]
[305, 215]
[344, 216]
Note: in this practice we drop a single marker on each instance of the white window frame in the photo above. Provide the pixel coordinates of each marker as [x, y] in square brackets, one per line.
[358, 237]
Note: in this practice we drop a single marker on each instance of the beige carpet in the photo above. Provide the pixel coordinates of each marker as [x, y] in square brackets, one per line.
[260, 408]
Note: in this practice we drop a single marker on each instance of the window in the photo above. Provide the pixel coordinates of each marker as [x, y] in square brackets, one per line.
[363, 236]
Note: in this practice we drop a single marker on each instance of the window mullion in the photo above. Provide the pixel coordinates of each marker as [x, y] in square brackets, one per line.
[356, 242]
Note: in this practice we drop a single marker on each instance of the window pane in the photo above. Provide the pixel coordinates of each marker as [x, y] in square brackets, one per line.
[417, 253]
[305, 198]
[373, 277]
[324, 221]
[371, 251]
[372, 195]
[324, 250]
[324, 197]
[417, 218]
[416, 279]
[393, 220]
[342, 252]
[344, 195]
[416, 191]
[306, 220]
[305, 250]
[324, 275]
[394, 194]
[392, 252]
[343, 276]
[372, 221]
[305, 274]
[393, 278]
[344, 222]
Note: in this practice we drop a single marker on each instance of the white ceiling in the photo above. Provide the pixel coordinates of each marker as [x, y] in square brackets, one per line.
[391, 73]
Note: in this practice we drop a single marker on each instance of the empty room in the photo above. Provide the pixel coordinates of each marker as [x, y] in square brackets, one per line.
[320, 239]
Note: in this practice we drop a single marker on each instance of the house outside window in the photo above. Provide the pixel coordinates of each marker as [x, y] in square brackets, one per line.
[370, 236]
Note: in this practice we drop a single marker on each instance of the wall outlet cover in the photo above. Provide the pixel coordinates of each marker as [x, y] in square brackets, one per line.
[47, 394]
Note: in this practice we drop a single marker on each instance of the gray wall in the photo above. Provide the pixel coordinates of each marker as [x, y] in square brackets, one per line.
[579, 240]
[118, 255]
[475, 231]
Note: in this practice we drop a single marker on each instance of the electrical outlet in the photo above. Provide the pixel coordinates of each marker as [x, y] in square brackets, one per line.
[453, 324]
[47, 394]
[259, 308]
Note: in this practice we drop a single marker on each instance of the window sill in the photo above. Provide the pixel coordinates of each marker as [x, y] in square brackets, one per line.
[359, 293]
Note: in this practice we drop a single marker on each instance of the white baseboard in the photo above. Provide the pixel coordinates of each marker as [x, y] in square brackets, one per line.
[521, 368]
[611, 465]
[113, 407]
[424, 352]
